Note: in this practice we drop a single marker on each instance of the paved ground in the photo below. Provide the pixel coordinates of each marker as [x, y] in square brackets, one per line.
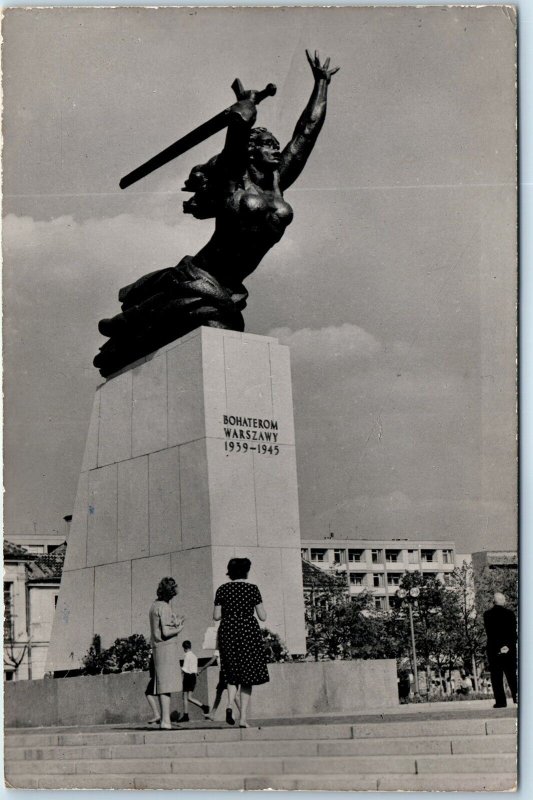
[464, 709]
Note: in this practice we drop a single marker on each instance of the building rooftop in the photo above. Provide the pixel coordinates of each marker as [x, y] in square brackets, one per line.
[496, 558]
[311, 574]
[399, 544]
[47, 567]
[12, 551]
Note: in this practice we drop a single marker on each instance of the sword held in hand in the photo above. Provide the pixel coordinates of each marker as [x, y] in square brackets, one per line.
[196, 136]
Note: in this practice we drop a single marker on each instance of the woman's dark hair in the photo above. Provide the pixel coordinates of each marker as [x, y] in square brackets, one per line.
[206, 181]
[167, 589]
[238, 568]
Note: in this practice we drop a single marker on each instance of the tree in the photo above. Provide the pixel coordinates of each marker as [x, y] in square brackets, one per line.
[472, 639]
[373, 634]
[325, 613]
[340, 625]
[436, 619]
[496, 579]
[14, 653]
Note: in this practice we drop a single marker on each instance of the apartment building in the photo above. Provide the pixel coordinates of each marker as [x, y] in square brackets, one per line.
[377, 566]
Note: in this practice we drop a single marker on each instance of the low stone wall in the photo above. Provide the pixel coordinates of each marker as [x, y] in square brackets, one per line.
[294, 690]
[85, 700]
[326, 686]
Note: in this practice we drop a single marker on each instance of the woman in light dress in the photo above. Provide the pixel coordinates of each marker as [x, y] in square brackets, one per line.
[165, 673]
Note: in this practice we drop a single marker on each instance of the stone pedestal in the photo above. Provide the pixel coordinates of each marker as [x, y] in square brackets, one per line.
[190, 460]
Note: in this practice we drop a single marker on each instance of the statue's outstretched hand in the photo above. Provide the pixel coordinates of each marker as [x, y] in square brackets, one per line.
[320, 71]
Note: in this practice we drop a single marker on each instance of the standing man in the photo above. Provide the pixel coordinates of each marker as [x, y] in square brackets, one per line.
[500, 625]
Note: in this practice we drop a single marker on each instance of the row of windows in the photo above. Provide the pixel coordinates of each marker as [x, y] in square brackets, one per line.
[40, 549]
[379, 603]
[378, 579]
[358, 579]
[378, 556]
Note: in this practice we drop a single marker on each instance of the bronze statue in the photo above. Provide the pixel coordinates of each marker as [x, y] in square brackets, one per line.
[242, 188]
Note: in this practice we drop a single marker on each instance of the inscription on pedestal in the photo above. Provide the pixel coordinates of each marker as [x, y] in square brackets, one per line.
[250, 435]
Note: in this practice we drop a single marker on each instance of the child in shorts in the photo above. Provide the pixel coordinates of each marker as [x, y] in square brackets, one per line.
[190, 670]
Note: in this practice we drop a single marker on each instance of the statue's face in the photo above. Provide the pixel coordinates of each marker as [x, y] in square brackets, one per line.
[264, 153]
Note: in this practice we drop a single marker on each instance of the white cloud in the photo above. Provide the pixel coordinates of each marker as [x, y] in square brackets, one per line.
[124, 245]
[328, 344]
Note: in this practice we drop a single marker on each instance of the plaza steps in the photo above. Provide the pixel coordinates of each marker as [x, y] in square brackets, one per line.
[447, 755]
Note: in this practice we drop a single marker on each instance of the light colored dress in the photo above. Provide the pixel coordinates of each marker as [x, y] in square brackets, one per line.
[165, 651]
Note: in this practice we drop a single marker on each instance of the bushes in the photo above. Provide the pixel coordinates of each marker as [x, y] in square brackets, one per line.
[133, 653]
[124, 655]
[275, 648]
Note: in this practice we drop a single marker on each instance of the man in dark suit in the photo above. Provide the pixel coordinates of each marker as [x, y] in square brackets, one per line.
[500, 625]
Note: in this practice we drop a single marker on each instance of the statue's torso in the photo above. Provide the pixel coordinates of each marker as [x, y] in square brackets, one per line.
[264, 212]
[250, 222]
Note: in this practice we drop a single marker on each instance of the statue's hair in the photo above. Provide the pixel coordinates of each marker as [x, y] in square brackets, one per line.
[206, 181]
[255, 133]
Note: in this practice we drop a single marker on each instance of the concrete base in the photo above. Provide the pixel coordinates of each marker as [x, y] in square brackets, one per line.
[298, 689]
[190, 461]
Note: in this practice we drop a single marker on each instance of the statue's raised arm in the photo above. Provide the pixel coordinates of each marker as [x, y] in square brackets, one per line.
[298, 150]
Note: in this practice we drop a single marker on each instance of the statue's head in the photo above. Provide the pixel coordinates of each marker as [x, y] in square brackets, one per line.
[263, 150]
[204, 180]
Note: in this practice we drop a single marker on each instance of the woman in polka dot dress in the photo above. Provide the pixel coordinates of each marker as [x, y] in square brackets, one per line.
[242, 655]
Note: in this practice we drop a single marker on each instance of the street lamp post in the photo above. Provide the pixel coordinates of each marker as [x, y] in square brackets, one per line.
[410, 597]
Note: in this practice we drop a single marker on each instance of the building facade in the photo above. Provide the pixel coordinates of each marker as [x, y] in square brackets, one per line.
[377, 566]
[494, 560]
[31, 588]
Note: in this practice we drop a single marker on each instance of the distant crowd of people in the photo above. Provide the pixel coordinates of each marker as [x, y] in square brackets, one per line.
[240, 652]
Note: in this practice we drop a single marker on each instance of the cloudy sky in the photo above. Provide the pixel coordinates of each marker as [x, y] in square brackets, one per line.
[394, 287]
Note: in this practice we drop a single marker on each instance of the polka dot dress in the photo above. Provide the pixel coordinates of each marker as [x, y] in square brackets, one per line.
[240, 642]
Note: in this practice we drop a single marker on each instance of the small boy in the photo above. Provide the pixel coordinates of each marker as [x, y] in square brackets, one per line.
[189, 670]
